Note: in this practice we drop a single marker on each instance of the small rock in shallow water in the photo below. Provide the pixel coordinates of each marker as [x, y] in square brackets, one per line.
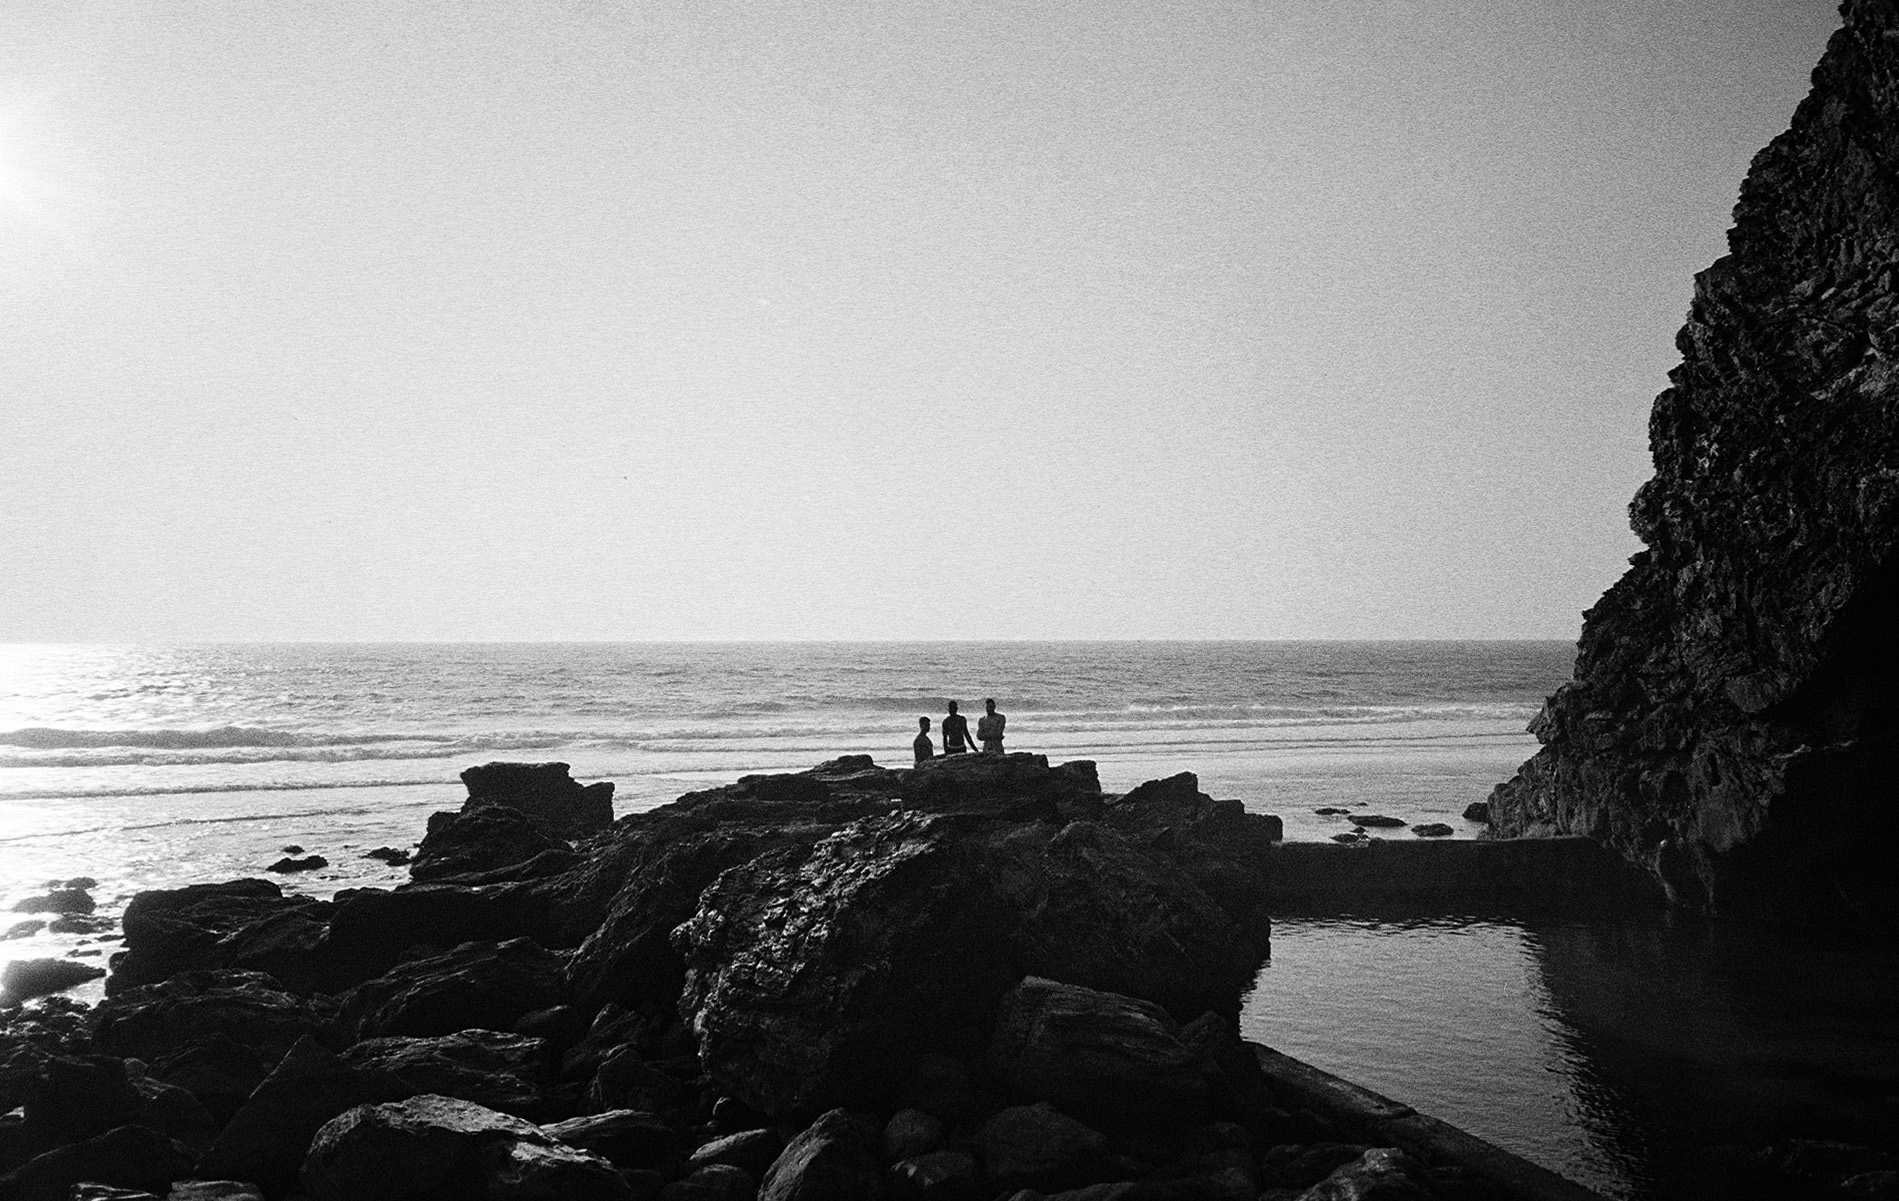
[1477, 811]
[1330, 810]
[1431, 830]
[306, 864]
[1379, 820]
[24, 929]
[393, 856]
[293, 849]
[25, 978]
[60, 900]
[1355, 836]
[76, 923]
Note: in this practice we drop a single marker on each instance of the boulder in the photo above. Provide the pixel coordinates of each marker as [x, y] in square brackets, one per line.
[1017, 786]
[25, 978]
[630, 958]
[752, 1150]
[545, 794]
[78, 923]
[306, 863]
[831, 1159]
[127, 1157]
[1477, 811]
[712, 1182]
[478, 840]
[25, 929]
[1037, 1146]
[1105, 1058]
[215, 1190]
[244, 924]
[59, 900]
[249, 1008]
[523, 1169]
[478, 984]
[627, 1137]
[67, 1098]
[912, 1132]
[1380, 1174]
[1219, 845]
[266, 1138]
[1432, 830]
[822, 978]
[504, 1072]
[373, 929]
[216, 1069]
[1378, 821]
[624, 1081]
[1302, 1165]
[936, 1176]
[393, 856]
[429, 1146]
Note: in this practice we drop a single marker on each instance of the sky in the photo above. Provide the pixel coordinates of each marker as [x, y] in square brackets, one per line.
[854, 320]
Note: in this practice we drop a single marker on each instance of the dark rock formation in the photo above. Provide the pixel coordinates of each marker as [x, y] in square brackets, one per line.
[626, 1137]
[831, 1158]
[1432, 830]
[267, 1138]
[247, 1008]
[504, 1072]
[1734, 714]
[307, 863]
[25, 978]
[431, 1146]
[545, 794]
[129, 1157]
[1038, 1146]
[479, 840]
[698, 982]
[478, 984]
[60, 900]
[1104, 1058]
[246, 924]
[821, 977]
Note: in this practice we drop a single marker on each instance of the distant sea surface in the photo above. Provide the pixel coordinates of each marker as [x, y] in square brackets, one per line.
[156, 765]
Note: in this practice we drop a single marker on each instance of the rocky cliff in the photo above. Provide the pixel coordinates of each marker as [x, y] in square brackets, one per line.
[1732, 721]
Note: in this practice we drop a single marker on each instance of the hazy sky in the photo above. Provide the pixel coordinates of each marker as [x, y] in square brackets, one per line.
[851, 320]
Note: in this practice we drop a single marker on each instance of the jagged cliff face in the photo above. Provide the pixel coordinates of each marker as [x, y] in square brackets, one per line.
[1734, 716]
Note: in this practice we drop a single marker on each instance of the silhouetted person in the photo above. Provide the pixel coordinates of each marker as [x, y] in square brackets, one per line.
[989, 727]
[924, 748]
[956, 737]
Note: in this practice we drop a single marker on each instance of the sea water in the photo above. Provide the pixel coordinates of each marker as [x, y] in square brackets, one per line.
[1613, 1052]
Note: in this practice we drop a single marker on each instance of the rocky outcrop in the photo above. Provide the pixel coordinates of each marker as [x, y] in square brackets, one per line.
[680, 998]
[819, 979]
[558, 804]
[1734, 715]
[433, 1146]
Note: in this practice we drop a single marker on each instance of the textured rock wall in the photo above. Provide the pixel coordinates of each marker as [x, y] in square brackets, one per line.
[1731, 724]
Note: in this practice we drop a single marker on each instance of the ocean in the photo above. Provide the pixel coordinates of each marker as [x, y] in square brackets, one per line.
[1614, 1052]
[152, 766]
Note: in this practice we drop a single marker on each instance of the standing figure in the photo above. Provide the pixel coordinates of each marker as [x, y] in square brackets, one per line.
[923, 746]
[956, 737]
[989, 727]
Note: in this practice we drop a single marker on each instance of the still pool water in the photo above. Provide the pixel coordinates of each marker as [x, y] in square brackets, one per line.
[1637, 1054]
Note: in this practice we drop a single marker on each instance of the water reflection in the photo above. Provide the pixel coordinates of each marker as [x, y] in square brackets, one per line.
[1640, 1055]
